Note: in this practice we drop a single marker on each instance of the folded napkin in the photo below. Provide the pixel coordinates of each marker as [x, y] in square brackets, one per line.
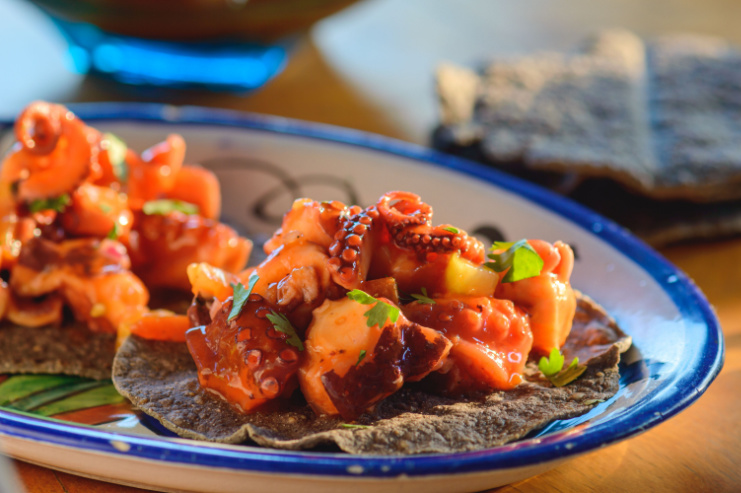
[646, 132]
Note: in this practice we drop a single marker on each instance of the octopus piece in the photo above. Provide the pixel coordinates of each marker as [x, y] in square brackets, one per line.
[154, 173]
[408, 219]
[97, 211]
[401, 210]
[548, 298]
[244, 360]
[162, 246]
[53, 155]
[491, 341]
[14, 232]
[43, 265]
[312, 221]
[34, 312]
[90, 275]
[294, 277]
[208, 282]
[103, 302]
[200, 187]
[352, 249]
[348, 366]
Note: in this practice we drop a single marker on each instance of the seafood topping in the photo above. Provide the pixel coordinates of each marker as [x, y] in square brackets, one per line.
[88, 227]
[245, 360]
[351, 363]
[491, 341]
[442, 313]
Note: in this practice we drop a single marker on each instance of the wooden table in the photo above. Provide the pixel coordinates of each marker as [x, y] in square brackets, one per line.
[370, 68]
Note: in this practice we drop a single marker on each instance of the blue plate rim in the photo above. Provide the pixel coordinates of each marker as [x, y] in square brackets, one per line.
[688, 299]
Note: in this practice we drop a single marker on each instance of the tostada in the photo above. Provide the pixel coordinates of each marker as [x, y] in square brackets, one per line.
[90, 232]
[373, 331]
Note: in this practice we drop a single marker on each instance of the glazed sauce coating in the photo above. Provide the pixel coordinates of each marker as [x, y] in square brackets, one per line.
[491, 341]
[246, 360]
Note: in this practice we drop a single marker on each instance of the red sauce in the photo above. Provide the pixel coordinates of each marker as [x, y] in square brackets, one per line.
[491, 341]
[246, 361]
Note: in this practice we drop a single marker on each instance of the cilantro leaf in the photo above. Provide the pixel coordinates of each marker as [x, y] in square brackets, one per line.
[240, 295]
[282, 324]
[361, 297]
[113, 233]
[423, 299]
[55, 204]
[552, 368]
[552, 364]
[591, 402]
[116, 149]
[451, 229]
[519, 257]
[361, 357]
[379, 312]
[166, 206]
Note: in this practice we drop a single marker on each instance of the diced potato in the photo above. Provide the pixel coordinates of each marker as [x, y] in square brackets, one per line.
[464, 277]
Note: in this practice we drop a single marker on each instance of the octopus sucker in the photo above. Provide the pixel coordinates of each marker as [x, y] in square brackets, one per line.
[351, 251]
[248, 361]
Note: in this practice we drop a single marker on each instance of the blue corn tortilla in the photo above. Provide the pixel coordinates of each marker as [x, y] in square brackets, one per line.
[160, 379]
[70, 350]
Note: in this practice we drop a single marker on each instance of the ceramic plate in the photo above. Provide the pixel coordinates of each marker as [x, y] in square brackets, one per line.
[263, 164]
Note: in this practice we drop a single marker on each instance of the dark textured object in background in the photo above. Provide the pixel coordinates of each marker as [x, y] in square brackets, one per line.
[657, 124]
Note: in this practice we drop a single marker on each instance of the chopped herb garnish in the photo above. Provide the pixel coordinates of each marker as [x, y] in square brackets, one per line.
[552, 368]
[591, 402]
[166, 206]
[240, 295]
[379, 313]
[282, 324]
[361, 356]
[113, 233]
[55, 204]
[519, 257]
[116, 149]
[352, 426]
[423, 299]
[451, 229]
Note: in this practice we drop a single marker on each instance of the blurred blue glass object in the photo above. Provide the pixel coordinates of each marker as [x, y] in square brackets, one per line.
[219, 65]
[234, 45]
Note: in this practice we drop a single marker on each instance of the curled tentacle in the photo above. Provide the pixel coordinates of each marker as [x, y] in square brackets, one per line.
[425, 239]
[403, 209]
[54, 156]
[351, 251]
[39, 127]
[408, 219]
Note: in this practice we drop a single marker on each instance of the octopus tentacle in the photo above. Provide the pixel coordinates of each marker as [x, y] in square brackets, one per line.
[350, 252]
[426, 240]
[54, 155]
[401, 210]
[39, 127]
[408, 219]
